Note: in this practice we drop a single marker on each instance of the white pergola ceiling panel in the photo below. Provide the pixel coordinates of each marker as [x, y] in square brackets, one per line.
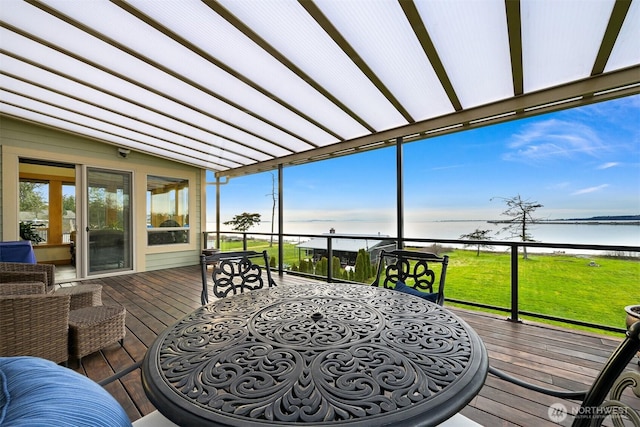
[381, 34]
[626, 52]
[212, 34]
[291, 29]
[49, 116]
[183, 133]
[473, 45]
[109, 83]
[561, 39]
[239, 86]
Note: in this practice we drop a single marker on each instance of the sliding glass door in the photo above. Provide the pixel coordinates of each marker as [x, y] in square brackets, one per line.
[109, 220]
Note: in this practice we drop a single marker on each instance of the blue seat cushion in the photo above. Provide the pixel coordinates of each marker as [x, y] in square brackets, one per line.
[37, 392]
[429, 296]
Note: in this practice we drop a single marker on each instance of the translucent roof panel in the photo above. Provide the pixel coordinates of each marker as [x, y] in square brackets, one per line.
[561, 39]
[185, 63]
[298, 36]
[626, 51]
[471, 40]
[383, 37]
[109, 104]
[144, 74]
[42, 113]
[110, 83]
[211, 33]
[239, 86]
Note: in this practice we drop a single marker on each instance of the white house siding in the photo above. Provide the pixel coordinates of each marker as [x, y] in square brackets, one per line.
[22, 139]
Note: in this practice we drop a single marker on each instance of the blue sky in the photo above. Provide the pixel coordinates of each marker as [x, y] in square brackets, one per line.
[577, 163]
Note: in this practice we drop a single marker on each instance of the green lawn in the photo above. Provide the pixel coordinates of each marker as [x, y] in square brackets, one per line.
[565, 286]
[558, 285]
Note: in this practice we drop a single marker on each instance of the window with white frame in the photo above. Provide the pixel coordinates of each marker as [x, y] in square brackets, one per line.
[167, 210]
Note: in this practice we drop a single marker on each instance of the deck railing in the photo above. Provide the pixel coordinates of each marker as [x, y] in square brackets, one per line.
[215, 240]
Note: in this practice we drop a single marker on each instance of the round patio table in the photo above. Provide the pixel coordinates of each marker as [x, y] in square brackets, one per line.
[315, 354]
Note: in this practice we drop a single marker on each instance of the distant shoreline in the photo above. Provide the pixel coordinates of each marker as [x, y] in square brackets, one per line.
[573, 221]
[594, 220]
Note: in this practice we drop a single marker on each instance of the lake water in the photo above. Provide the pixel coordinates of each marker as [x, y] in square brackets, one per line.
[599, 234]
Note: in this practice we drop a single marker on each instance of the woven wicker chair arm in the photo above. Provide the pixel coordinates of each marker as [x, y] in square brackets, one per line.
[48, 269]
[23, 276]
[22, 288]
[36, 325]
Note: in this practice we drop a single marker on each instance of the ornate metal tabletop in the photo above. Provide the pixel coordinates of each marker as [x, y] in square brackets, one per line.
[317, 354]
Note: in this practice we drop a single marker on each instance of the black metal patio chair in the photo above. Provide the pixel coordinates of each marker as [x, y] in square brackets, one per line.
[611, 381]
[412, 272]
[235, 272]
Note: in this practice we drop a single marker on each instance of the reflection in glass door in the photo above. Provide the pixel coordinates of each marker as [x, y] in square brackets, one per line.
[108, 221]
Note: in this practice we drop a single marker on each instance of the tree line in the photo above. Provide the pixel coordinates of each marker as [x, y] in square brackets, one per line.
[362, 272]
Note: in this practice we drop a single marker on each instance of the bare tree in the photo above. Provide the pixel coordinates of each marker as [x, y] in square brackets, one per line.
[521, 213]
[477, 235]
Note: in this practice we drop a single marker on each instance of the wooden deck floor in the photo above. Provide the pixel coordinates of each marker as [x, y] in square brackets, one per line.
[564, 358]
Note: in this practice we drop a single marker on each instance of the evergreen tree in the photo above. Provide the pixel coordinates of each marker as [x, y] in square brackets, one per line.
[361, 266]
[321, 266]
[477, 235]
[335, 267]
[244, 221]
[369, 270]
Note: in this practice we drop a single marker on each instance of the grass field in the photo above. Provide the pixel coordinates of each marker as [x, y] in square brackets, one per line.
[564, 286]
[592, 289]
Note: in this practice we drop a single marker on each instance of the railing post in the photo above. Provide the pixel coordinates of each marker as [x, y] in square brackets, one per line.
[514, 284]
[280, 220]
[399, 194]
[218, 237]
[329, 259]
[244, 241]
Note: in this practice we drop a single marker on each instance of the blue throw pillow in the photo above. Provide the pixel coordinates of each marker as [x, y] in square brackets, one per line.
[37, 392]
[402, 287]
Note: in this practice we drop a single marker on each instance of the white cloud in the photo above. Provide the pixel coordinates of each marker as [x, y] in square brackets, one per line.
[554, 138]
[608, 165]
[590, 190]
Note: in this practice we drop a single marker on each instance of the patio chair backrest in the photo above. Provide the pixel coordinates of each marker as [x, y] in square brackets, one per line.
[612, 381]
[414, 269]
[12, 272]
[235, 272]
[604, 397]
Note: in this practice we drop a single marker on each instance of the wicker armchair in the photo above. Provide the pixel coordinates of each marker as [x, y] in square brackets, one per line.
[22, 288]
[12, 272]
[35, 325]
